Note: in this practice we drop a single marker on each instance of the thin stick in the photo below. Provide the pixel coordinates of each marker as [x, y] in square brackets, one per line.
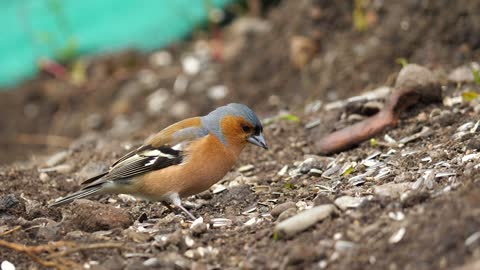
[10, 231]
[55, 252]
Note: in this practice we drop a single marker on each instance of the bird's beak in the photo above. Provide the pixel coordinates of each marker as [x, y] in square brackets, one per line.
[258, 140]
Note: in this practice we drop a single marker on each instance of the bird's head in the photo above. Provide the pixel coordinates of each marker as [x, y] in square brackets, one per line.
[235, 125]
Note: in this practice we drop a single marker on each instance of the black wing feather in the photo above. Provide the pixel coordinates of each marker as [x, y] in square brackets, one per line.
[140, 161]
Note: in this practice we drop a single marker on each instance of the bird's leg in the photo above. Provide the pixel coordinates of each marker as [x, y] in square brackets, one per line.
[175, 199]
[187, 212]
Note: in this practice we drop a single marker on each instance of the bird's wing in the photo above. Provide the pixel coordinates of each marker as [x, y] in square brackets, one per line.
[150, 157]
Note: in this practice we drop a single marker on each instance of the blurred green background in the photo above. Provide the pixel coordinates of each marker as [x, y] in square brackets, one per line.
[65, 29]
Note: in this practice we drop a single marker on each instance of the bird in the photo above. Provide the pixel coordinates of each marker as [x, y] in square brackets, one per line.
[184, 159]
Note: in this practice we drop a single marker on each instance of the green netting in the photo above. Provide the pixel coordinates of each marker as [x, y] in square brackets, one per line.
[62, 28]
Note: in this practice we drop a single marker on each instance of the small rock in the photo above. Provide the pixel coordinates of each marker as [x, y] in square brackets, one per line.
[278, 209]
[6, 265]
[44, 177]
[115, 262]
[93, 216]
[444, 119]
[392, 190]
[421, 79]
[246, 168]
[7, 202]
[322, 198]
[161, 59]
[461, 74]
[287, 214]
[191, 65]
[75, 235]
[57, 158]
[199, 229]
[138, 237]
[414, 197]
[201, 252]
[199, 266]
[170, 260]
[180, 85]
[304, 220]
[157, 100]
[47, 228]
[314, 162]
[474, 144]
[217, 92]
[180, 109]
[206, 195]
[346, 202]
[301, 253]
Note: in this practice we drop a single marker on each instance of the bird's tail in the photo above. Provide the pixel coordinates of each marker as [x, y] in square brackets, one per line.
[77, 195]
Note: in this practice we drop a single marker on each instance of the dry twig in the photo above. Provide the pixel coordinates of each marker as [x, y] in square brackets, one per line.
[53, 254]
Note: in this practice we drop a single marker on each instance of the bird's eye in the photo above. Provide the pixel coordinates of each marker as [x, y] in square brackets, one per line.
[246, 128]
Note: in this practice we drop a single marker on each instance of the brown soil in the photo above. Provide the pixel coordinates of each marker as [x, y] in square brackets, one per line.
[101, 119]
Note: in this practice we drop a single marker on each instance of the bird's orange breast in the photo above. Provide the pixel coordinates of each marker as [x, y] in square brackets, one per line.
[207, 161]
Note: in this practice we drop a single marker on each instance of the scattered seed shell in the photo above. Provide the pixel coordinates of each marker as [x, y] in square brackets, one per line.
[398, 236]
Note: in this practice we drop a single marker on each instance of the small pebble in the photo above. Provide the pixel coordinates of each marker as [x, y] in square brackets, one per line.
[199, 229]
[290, 212]
[392, 190]
[414, 197]
[180, 109]
[217, 92]
[161, 59]
[474, 144]
[44, 177]
[461, 75]
[278, 209]
[6, 265]
[304, 220]
[191, 65]
[346, 202]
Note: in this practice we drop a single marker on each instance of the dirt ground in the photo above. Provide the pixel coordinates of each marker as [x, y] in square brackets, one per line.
[399, 204]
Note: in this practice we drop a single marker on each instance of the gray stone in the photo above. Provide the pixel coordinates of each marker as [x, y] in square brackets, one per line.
[304, 220]
[393, 190]
[346, 202]
[278, 209]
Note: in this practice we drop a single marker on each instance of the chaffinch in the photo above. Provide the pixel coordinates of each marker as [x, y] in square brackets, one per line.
[183, 159]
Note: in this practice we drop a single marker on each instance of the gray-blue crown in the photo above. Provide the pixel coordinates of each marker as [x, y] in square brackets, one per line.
[212, 120]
